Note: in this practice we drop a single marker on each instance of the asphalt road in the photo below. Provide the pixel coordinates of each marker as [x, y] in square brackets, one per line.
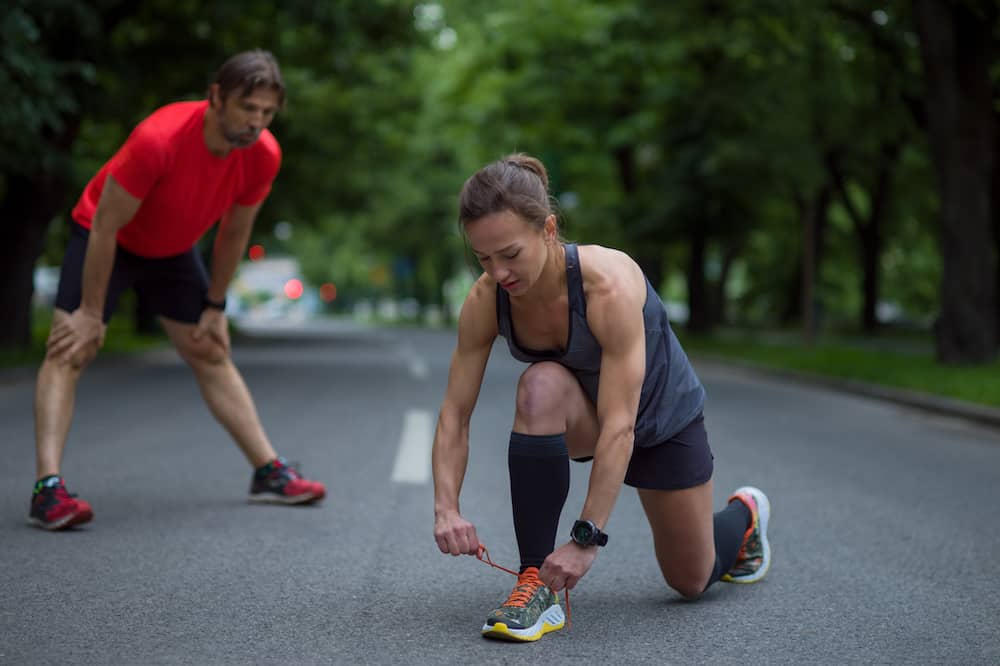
[884, 528]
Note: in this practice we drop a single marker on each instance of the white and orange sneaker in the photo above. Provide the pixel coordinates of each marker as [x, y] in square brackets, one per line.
[754, 558]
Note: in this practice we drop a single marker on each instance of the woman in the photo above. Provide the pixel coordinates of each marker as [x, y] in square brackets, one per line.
[608, 381]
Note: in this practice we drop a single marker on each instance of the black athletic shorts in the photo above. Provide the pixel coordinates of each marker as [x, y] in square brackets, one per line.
[683, 461]
[173, 287]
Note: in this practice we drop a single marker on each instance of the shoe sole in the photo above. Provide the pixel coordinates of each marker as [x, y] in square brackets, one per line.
[63, 523]
[308, 498]
[553, 619]
[764, 516]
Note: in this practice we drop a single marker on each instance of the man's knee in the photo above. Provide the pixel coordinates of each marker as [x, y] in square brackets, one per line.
[75, 362]
[541, 389]
[202, 352]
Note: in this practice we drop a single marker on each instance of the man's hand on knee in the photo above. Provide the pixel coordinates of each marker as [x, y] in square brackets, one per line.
[213, 327]
[75, 338]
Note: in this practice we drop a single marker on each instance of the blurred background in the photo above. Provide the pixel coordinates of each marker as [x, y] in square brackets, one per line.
[798, 173]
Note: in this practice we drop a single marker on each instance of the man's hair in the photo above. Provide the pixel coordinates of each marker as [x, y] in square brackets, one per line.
[247, 71]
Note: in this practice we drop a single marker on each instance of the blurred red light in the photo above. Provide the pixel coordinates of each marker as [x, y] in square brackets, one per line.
[328, 292]
[293, 289]
[256, 252]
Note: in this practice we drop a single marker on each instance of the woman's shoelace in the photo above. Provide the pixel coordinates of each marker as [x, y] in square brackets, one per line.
[484, 556]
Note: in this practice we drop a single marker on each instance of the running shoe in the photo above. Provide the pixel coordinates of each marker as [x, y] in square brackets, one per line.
[754, 558]
[279, 482]
[531, 611]
[52, 508]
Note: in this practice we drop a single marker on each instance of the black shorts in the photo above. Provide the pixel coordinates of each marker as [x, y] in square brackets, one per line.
[173, 287]
[683, 461]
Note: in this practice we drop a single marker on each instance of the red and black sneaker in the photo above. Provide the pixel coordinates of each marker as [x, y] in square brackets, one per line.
[279, 482]
[52, 508]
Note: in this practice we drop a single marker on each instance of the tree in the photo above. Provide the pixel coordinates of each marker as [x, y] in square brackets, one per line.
[42, 70]
[94, 69]
[956, 40]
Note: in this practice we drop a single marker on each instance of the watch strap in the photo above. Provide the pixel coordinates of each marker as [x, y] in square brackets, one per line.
[215, 305]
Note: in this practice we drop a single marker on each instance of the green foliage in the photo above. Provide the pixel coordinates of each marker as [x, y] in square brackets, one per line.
[866, 360]
[38, 83]
[658, 122]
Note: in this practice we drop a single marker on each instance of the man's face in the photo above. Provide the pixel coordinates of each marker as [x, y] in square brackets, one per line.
[242, 119]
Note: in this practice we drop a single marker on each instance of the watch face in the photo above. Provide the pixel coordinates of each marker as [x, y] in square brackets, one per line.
[582, 533]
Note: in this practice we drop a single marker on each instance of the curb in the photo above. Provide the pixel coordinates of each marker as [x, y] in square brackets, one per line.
[982, 414]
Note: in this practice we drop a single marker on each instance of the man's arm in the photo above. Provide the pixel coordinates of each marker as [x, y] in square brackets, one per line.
[115, 209]
[230, 244]
[84, 326]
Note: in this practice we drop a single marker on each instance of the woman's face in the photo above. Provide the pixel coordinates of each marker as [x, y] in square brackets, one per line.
[510, 249]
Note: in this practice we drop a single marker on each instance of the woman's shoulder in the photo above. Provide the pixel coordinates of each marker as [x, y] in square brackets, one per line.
[484, 288]
[607, 271]
[478, 320]
[482, 296]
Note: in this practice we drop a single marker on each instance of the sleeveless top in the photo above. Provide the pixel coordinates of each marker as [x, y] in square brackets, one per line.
[672, 395]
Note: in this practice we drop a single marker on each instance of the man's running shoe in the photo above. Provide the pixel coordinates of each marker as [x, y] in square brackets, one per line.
[754, 558]
[531, 611]
[278, 482]
[52, 508]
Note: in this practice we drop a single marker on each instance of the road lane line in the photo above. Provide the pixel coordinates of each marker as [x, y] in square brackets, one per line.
[414, 362]
[413, 458]
[419, 368]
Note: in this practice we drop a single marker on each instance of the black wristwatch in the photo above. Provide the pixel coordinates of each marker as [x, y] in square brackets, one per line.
[586, 533]
[215, 305]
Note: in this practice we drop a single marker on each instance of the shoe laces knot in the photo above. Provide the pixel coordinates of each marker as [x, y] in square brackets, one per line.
[284, 469]
[527, 585]
[61, 493]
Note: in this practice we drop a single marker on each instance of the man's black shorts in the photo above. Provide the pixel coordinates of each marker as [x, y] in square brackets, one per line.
[683, 461]
[173, 287]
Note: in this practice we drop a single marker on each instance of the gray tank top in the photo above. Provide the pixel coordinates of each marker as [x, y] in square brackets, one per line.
[672, 395]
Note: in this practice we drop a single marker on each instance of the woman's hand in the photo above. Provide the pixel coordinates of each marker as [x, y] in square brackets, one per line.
[455, 534]
[566, 565]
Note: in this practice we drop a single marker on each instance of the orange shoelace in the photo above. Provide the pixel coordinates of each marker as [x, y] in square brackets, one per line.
[527, 583]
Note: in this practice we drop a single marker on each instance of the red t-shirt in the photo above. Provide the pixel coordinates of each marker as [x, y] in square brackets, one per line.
[184, 188]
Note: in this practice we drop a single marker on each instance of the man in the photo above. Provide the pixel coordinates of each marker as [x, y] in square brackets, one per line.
[183, 168]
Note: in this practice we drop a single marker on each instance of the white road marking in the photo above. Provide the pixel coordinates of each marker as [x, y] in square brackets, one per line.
[417, 365]
[413, 458]
[419, 368]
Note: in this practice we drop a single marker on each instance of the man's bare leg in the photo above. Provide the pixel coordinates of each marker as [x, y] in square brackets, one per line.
[55, 396]
[224, 391]
[52, 508]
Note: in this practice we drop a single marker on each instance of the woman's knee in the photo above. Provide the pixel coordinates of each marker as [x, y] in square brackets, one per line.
[541, 391]
[688, 586]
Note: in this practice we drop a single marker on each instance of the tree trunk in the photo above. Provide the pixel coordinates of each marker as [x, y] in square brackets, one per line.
[955, 45]
[731, 253]
[870, 229]
[872, 235]
[651, 264]
[871, 250]
[650, 259]
[995, 214]
[814, 217]
[28, 206]
[699, 308]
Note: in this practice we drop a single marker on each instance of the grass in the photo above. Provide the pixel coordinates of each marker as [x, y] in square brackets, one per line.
[121, 339]
[904, 363]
